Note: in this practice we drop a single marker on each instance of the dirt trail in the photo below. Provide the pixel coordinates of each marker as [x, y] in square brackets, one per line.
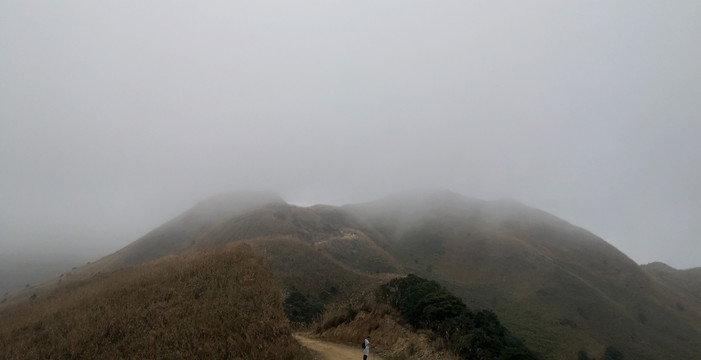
[332, 351]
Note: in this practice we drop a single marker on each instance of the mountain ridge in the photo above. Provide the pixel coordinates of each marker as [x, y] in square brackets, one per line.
[556, 285]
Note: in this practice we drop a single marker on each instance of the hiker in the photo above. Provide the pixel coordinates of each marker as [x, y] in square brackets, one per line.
[366, 348]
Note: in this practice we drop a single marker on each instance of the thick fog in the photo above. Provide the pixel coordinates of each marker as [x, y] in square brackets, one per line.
[117, 115]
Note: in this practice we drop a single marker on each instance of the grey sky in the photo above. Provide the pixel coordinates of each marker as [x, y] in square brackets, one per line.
[117, 115]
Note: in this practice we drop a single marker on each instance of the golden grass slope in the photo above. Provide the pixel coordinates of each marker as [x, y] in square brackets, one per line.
[221, 303]
[392, 338]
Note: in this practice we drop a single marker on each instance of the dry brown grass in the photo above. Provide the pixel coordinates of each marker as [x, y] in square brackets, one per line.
[221, 303]
[305, 268]
[390, 337]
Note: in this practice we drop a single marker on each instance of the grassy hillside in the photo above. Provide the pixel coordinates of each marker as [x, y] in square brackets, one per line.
[392, 338]
[686, 281]
[559, 287]
[330, 231]
[181, 233]
[312, 250]
[221, 303]
[175, 236]
[299, 266]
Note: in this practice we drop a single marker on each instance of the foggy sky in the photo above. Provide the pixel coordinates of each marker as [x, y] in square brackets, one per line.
[115, 116]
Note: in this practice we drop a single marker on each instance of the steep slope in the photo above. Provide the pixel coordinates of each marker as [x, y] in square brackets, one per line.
[173, 237]
[557, 286]
[685, 284]
[685, 280]
[312, 250]
[180, 233]
[319, 250]
[216, 304]
[329, 230]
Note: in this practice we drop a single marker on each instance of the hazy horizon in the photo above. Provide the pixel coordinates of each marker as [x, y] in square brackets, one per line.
[117, 116]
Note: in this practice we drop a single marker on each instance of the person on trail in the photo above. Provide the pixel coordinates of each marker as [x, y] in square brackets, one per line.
[366, 348]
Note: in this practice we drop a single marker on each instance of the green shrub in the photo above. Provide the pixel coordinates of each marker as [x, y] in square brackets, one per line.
[426, 304]
[300, 308]
[612, 354]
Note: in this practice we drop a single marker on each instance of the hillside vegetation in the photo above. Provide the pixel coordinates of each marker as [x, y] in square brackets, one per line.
[558, 287]
[222, 303]
[683, 281]
[561, 289]
[470, 334]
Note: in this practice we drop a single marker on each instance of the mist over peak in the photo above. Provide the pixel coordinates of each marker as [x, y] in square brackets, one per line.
[107, 129]
[237, 201]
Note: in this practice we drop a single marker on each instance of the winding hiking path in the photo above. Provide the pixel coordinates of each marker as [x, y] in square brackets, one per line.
[332, 351]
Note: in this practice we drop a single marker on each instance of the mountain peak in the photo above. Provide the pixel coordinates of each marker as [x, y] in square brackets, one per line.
[421, 198]
[659, 266]
[238, 201]
[181, 232]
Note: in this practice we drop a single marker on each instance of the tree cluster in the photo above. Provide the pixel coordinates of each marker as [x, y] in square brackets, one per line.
[470, 334]
[300, 308]
[611, 353]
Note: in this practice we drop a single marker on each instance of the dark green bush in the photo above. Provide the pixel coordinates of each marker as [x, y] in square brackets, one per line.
[426, 304]
[612, 354]
[300, 308]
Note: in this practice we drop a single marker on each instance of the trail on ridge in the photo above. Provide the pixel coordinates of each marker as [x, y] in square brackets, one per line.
[332, 351]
